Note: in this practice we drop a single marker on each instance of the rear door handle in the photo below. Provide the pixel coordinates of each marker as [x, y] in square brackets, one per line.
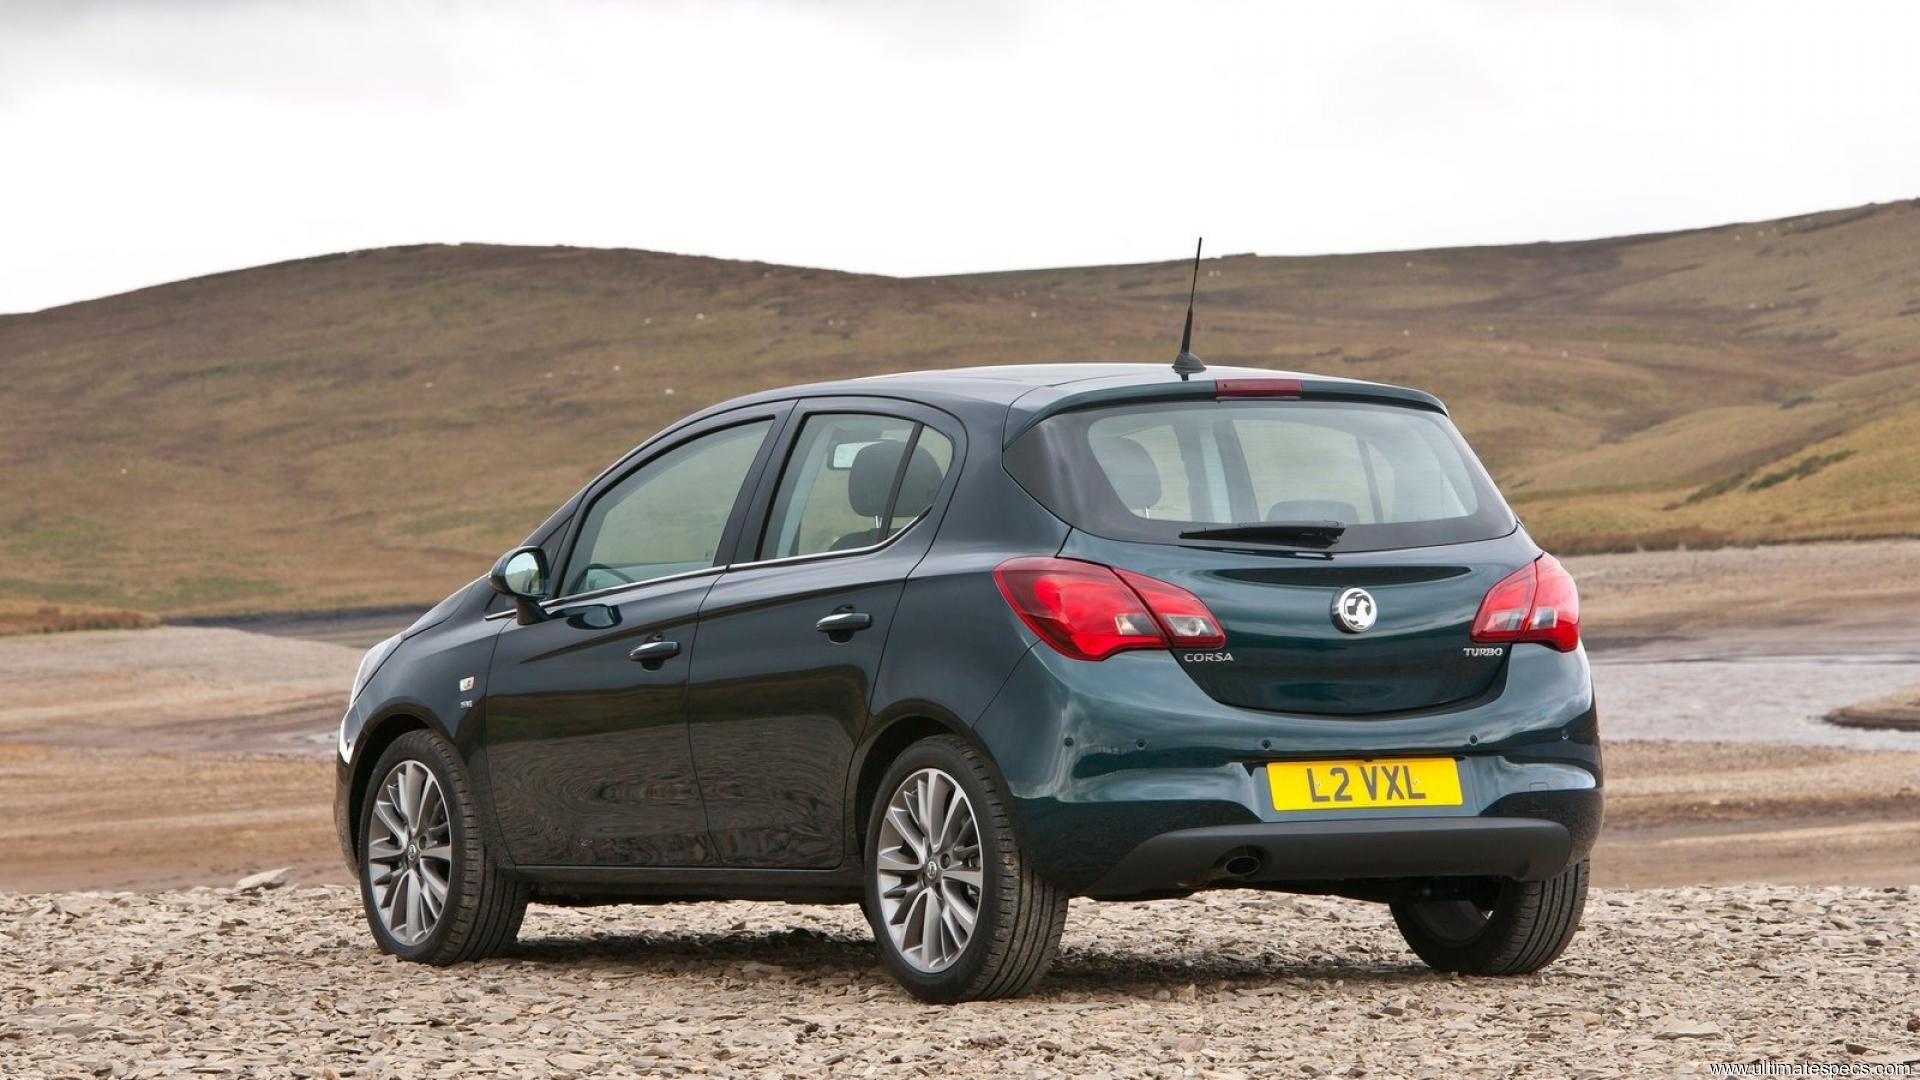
[841, 624]
[655, 653]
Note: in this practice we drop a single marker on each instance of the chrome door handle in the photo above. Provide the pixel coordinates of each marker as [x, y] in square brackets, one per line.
[841, 624]
[655, 653]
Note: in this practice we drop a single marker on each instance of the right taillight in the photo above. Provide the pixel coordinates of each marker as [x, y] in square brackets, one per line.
[1538, 602]
[1089, 611]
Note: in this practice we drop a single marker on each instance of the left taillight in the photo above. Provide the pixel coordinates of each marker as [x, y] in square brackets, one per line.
[1089, 612]
[1538, 602]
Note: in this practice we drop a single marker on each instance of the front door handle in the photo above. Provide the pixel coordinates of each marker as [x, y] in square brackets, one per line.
[654, 653]
[841, 624]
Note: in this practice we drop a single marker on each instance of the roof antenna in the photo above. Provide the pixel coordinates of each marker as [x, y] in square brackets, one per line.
[1187, 364]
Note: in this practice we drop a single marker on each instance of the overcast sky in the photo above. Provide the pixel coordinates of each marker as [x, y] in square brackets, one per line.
[145, 142]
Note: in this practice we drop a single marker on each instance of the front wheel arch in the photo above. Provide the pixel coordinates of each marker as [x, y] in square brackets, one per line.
[372, 743]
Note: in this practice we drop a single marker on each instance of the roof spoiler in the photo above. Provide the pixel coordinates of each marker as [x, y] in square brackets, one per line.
[1032, 408]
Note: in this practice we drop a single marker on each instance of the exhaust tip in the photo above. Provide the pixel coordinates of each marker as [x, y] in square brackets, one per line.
[1242, 863]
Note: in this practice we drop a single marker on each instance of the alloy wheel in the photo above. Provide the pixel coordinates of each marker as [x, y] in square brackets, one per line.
[928, 869]
[409, 853]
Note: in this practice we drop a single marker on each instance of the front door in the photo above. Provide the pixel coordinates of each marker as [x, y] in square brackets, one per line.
[586, 735]
[791, 636]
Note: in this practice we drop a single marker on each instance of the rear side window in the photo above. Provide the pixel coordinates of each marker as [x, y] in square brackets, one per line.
[1393, 476]
[852, 481]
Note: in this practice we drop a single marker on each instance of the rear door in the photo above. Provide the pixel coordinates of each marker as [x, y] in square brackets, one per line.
[792, 634]
[1421, 533]
[586, 734]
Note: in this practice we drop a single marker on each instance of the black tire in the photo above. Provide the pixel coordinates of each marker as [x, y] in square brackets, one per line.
[1526, 929]
[484, 905]
[1020, 915]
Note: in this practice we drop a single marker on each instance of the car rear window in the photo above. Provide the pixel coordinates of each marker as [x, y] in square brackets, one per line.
[1394, 476]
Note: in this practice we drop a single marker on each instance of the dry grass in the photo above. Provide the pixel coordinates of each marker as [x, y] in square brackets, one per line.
[34, 618]
[372, 428]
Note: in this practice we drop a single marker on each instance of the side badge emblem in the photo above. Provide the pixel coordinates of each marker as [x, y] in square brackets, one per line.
[466, 684]
[1354, 611]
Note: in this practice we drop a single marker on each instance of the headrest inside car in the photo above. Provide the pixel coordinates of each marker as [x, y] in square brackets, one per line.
[1130, 470]
[871, 481]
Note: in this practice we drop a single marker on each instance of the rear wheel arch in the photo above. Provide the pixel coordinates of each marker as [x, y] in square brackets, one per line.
[879, 753]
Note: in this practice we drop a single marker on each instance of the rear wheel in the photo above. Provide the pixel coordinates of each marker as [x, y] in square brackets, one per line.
[1522, 927]
[430, 891]
[959, 912]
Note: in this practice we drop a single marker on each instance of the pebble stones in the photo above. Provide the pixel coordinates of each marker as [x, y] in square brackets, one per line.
[278, 981]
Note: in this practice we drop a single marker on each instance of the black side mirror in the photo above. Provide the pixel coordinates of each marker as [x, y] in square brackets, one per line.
[522, 575]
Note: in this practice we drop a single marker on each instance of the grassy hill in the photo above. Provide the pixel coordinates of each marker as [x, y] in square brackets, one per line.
[372, 428]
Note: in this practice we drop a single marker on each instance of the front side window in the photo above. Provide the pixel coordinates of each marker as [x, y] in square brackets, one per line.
[668, 516]
[852, 481]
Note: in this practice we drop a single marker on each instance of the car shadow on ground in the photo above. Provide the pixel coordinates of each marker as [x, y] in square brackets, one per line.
[799, 946]
[1090, 970]
[813, 954]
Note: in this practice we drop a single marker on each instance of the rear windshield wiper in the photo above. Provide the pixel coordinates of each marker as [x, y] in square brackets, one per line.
[1322, 532]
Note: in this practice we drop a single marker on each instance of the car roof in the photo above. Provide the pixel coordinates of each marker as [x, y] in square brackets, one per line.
[1034, 391]
[1015, 397]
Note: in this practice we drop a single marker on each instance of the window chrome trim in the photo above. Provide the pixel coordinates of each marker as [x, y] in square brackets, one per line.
[560, 602]
[813, 556]
[598, 595]
[564, 602]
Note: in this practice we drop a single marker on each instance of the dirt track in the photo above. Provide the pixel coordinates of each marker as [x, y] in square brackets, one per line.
[175, 689]
[1830, 599]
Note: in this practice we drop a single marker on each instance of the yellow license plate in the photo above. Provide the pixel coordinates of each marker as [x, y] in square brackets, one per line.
[1357, 785]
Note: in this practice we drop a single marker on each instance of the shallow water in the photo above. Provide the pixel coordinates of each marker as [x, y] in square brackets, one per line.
[1749, 698]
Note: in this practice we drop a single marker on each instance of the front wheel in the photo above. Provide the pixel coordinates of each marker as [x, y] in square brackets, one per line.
[1521, 928]
[958, 910]
[430, 891]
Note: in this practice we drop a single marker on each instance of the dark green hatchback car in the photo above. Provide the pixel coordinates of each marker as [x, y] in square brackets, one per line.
[960, 645]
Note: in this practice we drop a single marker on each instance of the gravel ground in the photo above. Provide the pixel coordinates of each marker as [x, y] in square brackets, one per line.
[1231, 984]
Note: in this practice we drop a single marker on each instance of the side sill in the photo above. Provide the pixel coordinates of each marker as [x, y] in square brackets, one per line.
[666, 884]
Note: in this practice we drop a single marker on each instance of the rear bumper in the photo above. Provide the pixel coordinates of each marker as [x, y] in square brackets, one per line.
[1526, 849]
[1127, 780]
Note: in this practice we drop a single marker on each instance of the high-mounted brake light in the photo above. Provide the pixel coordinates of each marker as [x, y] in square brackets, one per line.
[1538, 602]
[1089, 611]
[1271, 388]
